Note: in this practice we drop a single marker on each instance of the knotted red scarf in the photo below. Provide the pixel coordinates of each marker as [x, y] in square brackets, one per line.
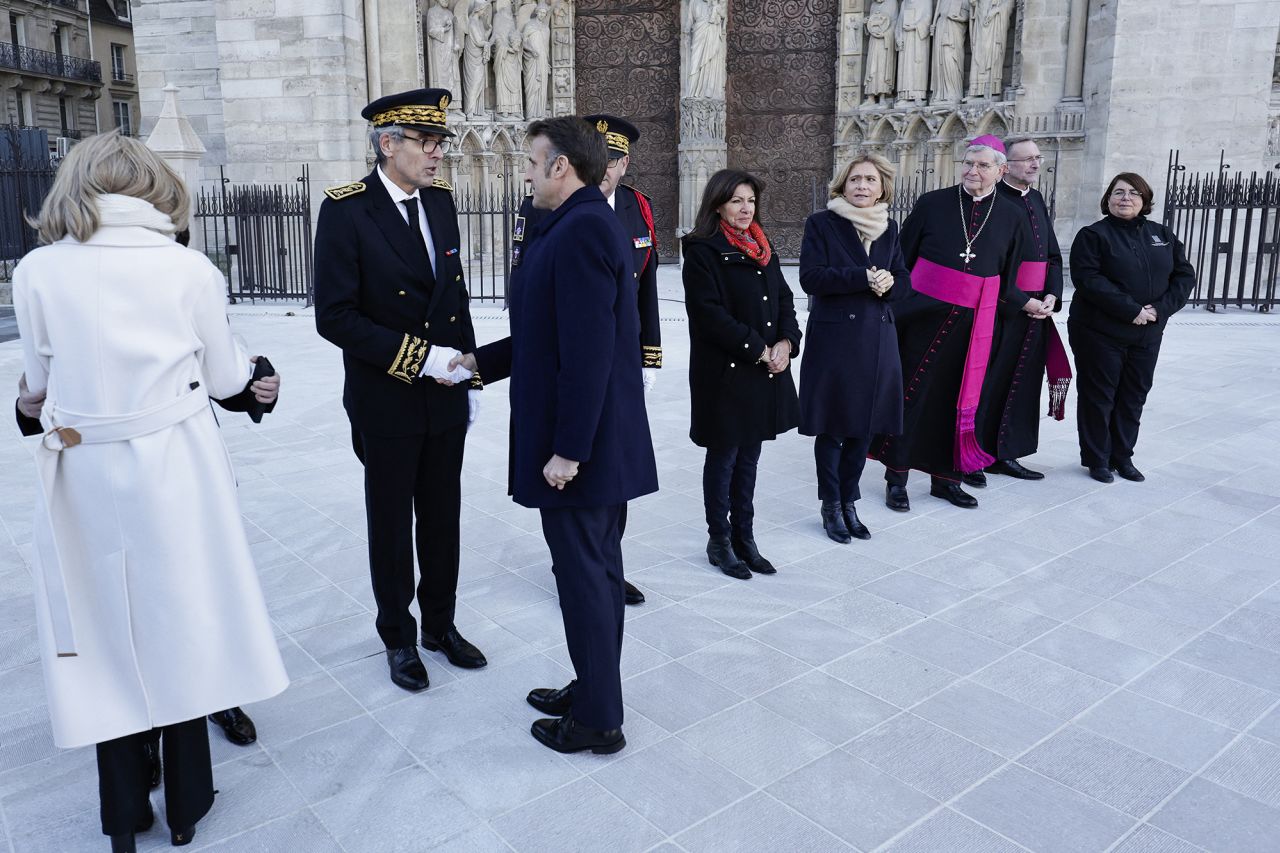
[752, 243]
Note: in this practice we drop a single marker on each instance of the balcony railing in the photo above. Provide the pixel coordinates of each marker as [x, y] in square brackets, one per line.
[68, 4]
[43, 62]
[121, 77]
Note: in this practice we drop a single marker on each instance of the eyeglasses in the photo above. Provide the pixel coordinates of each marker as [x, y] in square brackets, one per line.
[1125, 194]
[430, 144]
[1039, 158]
[970, 166]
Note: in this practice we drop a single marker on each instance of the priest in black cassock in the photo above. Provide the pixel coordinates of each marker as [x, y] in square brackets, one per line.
[963, 245]
[1026, 339]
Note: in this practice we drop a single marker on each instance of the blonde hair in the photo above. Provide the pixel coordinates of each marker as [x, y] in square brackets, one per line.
[108, 163]
[883, 166]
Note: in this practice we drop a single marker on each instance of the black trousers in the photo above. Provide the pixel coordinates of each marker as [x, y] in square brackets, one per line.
[1112, 382]
[586, 557]
[840, 462]
[405, 477]
[729, 488]
[899, 478]
[124, 776]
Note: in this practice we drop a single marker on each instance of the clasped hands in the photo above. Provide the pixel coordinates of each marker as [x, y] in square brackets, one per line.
[879, 281]
[777, 357]
[1145, 316]
[1040, 309]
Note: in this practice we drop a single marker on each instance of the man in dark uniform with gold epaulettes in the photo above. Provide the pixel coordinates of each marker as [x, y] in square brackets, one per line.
[390, 294]
[636, 215]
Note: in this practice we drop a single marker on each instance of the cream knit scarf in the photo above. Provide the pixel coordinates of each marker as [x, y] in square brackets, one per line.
[125, 210]
[871, 221]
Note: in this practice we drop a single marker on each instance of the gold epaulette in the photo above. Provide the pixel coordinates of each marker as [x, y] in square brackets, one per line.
[442, 184]
[652, 356]
[408, 363]
[345, 191]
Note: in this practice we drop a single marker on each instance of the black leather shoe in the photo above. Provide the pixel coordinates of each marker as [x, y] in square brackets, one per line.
[833, 522]
[748, 553]
[407, 670]
[1102, 475]
[633, 595]
[1126, 470]
[895, 498]
[557, 703]
[181, 836]
[953, 494]
[856, 528]
[124, 843]
[720, 554]
[455, 648]
[1014, 468]
[977, 479]
[236, 725]
[565, 735]
[152, 751]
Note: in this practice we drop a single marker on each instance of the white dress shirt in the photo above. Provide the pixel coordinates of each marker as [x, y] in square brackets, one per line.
[397, 196]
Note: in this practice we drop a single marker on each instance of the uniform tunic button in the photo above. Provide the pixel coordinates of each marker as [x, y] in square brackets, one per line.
[731, 364]
[766, 299]
[852, 316]
[768, 323]
[402, 293]
[770, 375]
[453, 319]
[426, 325]
[745, 346]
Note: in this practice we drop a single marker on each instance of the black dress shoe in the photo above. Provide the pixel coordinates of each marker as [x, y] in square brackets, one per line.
[856, 528]
[953, 494]
[236, 725]
[125, 843]
[456, 649]
[833, 522]
[748, 553]
[148, 821]
[1102, 475]
[895, 498]
[632, 595]
[720, 554]
[154, 768]
[1014, 468]
[565, 735]
[407, 670]
[557, 703]
[1126, 470]
[977, 479]
[181, 836]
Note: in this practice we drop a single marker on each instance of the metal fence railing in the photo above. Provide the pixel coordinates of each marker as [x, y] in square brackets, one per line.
[23, 58]
[1229, 224]
[26, 175]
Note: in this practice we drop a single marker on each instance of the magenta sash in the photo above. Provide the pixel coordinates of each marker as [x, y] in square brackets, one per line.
[1031, 278]
[981, 294]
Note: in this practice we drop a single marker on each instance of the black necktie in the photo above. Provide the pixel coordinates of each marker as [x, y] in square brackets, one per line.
[415, 225]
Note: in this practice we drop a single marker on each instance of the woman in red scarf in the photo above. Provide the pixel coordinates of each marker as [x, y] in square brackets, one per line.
[743, 334]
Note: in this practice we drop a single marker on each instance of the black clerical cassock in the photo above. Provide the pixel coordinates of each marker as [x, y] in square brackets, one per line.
[963, 255]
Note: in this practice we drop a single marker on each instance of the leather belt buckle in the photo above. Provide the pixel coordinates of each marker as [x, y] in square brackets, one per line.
[68, 436]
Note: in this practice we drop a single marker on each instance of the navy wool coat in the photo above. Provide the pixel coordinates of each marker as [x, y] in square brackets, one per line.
[851, 379]
[576, 382]
[736, 308]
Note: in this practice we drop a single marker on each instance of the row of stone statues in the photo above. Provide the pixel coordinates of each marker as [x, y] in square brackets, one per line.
[475, 37]
[900, 65]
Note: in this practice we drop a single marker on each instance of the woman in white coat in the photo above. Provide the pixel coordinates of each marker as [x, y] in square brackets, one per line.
[144, 579]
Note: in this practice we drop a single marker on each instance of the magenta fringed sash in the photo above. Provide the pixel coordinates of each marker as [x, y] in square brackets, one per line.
[981, 294]
[1031, 276]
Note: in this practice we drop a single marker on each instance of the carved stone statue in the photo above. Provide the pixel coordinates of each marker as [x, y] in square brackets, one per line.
[442, 47]
[475, 58]
[537, 63]
[912, 37]
[507, 50]
[880, 80]
[706, 49]
[948, 30]
[989, 31]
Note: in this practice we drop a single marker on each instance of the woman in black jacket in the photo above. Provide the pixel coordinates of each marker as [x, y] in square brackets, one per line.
[743, 334]
[1130, 275]
[851, 386]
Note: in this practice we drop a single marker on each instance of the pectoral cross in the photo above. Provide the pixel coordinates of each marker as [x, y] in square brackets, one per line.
[968, 255]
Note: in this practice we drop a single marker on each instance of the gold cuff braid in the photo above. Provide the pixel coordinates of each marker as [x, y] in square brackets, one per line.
[476, 382]
[652, 356]
[408, 363]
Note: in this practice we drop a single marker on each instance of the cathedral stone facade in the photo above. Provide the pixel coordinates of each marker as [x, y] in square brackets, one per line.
[784, 88]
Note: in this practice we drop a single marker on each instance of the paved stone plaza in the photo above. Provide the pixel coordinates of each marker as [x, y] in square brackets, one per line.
[1071, 667]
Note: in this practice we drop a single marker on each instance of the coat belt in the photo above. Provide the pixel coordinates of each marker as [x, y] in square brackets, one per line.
[65, 430]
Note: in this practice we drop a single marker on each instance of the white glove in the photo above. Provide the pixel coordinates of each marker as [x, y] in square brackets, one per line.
[437, 365]
[473, 406]
[650, 377]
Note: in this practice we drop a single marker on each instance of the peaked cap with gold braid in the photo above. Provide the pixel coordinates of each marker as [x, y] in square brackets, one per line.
[422, 109]
[619, 134]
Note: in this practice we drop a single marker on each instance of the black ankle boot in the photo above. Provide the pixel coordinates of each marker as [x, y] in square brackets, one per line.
[833, 522]
[124, 843]
[745, 548]
[181, 836]
[856, 528]
[720, 554]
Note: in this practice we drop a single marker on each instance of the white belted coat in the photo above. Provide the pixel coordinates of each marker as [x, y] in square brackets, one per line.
[162, 605]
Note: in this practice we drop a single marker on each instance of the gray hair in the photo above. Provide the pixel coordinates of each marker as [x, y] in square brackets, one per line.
[395, 131]
[1016, 140]
[999, 156]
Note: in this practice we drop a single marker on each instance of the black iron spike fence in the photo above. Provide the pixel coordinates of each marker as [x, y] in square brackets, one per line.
[259, 235]
[485, 221]
[26, 175]
[1229, 224]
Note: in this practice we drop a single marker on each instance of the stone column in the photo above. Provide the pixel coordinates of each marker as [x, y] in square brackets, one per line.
[1073, 79]
[176, 141]
[702, 149]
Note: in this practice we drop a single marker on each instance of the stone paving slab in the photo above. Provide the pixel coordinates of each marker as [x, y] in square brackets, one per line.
[1070, 667]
